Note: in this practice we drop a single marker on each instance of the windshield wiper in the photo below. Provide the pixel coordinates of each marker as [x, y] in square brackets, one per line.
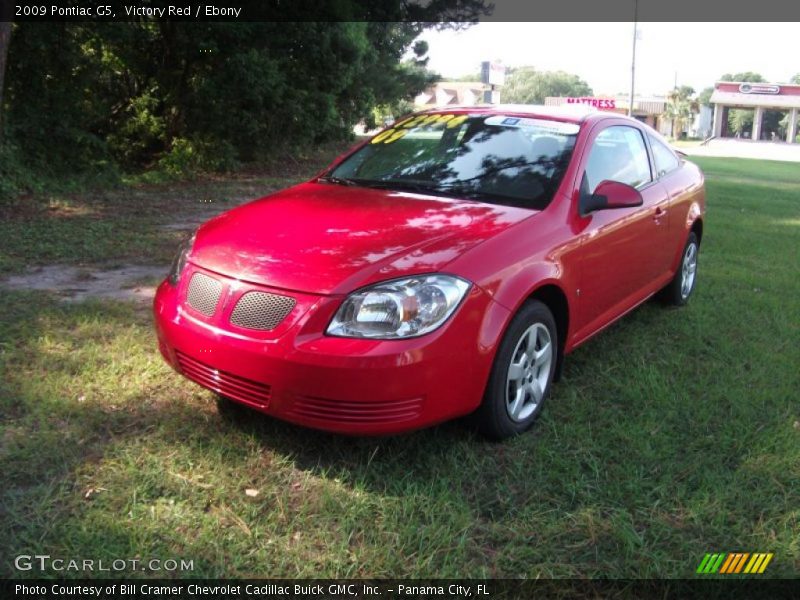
[393, 184]
[338, 180]
[450, 191]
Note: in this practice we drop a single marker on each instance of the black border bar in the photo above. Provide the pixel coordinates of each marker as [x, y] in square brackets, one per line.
[733, 587]
[405, 10]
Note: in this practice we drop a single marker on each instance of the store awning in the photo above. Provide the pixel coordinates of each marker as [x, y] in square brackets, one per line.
[752, 100]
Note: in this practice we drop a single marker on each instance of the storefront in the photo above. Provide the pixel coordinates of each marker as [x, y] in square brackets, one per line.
[772, 108]
[649, 110]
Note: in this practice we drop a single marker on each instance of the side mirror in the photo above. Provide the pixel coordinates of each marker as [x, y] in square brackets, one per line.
[610, 194]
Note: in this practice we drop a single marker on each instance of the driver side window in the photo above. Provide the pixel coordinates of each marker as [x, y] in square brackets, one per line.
[618, 154]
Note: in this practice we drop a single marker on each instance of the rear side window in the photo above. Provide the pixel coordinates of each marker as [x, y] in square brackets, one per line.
[618, 154]
[665, 159]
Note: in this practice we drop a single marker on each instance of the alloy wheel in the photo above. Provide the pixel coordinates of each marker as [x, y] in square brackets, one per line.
[688, 270]
[528, 372]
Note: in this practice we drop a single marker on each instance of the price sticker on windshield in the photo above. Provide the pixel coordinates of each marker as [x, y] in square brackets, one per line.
[388, 136]
[399, 130]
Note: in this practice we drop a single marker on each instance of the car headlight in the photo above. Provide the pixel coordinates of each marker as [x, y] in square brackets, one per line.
[399, 309]
[179, 262]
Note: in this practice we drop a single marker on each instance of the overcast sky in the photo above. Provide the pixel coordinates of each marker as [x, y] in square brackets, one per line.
[600, 53]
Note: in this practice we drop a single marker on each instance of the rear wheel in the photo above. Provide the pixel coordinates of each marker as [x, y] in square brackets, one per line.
[521, 375]
[679, 290]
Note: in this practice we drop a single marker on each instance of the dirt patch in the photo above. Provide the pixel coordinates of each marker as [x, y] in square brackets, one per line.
[131, 282]
[75, 284]
[171, 209]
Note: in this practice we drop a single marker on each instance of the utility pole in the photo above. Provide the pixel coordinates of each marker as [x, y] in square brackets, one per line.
[633, 57]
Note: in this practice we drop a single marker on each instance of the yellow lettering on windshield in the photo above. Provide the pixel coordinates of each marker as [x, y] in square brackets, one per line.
[395, 136]
[456, 121]
[402, 128]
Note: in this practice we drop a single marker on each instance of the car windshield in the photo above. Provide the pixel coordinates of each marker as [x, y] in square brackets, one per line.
[497, 159]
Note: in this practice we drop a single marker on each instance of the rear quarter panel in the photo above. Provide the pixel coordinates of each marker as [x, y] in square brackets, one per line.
[686, 188]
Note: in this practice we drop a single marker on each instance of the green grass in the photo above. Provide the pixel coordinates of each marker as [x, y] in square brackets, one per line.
[124, 224]
[673, 434]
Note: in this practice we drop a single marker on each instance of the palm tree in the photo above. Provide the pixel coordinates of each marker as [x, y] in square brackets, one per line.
[680, 108]
[740, 120]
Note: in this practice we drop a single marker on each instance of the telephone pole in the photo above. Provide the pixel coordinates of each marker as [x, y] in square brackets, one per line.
[633, 57]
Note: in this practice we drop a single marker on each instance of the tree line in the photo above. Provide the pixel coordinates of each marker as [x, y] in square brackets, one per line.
[105, 98]
[114, 97]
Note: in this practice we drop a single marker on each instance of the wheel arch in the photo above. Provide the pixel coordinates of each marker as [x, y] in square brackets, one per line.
[697, 229]
[692, 224]
[552, 296]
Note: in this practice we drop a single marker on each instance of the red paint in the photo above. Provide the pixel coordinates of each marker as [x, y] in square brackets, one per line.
[318, 242]
[328, 239]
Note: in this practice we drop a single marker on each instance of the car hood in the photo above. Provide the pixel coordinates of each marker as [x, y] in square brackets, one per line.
[330, 239]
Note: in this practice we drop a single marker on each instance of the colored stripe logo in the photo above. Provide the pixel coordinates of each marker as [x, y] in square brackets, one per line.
[727, 563]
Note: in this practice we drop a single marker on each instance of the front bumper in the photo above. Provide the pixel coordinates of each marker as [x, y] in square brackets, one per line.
[355, 386]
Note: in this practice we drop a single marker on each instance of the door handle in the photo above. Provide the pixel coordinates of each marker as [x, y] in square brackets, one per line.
[660, 212]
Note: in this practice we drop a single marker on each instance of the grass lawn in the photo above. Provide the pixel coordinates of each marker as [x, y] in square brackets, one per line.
[673, 434]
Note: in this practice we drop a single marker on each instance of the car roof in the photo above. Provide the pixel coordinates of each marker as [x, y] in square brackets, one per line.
[571, 113]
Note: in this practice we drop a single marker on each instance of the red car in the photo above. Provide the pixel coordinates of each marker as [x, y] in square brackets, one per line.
[444, 267]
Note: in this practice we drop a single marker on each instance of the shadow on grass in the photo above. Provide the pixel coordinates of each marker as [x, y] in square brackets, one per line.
[672, 434]
[645, 455]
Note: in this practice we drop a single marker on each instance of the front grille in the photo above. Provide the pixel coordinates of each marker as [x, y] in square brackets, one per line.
[259, 310]
[203, 293]
[357, 412]
[229, 385]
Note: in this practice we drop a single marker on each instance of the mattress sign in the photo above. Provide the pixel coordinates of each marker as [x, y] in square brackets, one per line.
[601, 103]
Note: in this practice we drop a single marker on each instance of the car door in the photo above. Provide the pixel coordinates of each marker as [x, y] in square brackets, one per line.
[681, 187]
[623, 257]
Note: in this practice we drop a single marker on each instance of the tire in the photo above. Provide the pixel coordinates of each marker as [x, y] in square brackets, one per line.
[519, 386]
[678, 291]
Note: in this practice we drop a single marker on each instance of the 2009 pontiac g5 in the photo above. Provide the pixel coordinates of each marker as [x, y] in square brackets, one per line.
[443, 267]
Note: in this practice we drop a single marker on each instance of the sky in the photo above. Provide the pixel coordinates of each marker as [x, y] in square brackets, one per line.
[600, 53]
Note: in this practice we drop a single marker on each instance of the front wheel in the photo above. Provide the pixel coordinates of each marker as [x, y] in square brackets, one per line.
[679, 290]
[522, 373]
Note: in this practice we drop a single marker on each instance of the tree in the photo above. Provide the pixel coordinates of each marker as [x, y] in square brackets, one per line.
[740, 120]
[82, 95]
[5, 41]
[468, 77]
[704, 97]
[680, 107]
[525, 85]
[795, 78]
[748, 76]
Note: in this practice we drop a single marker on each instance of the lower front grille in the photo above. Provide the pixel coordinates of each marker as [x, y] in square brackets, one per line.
[357, 412]
[227, 384]
[203, 293]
